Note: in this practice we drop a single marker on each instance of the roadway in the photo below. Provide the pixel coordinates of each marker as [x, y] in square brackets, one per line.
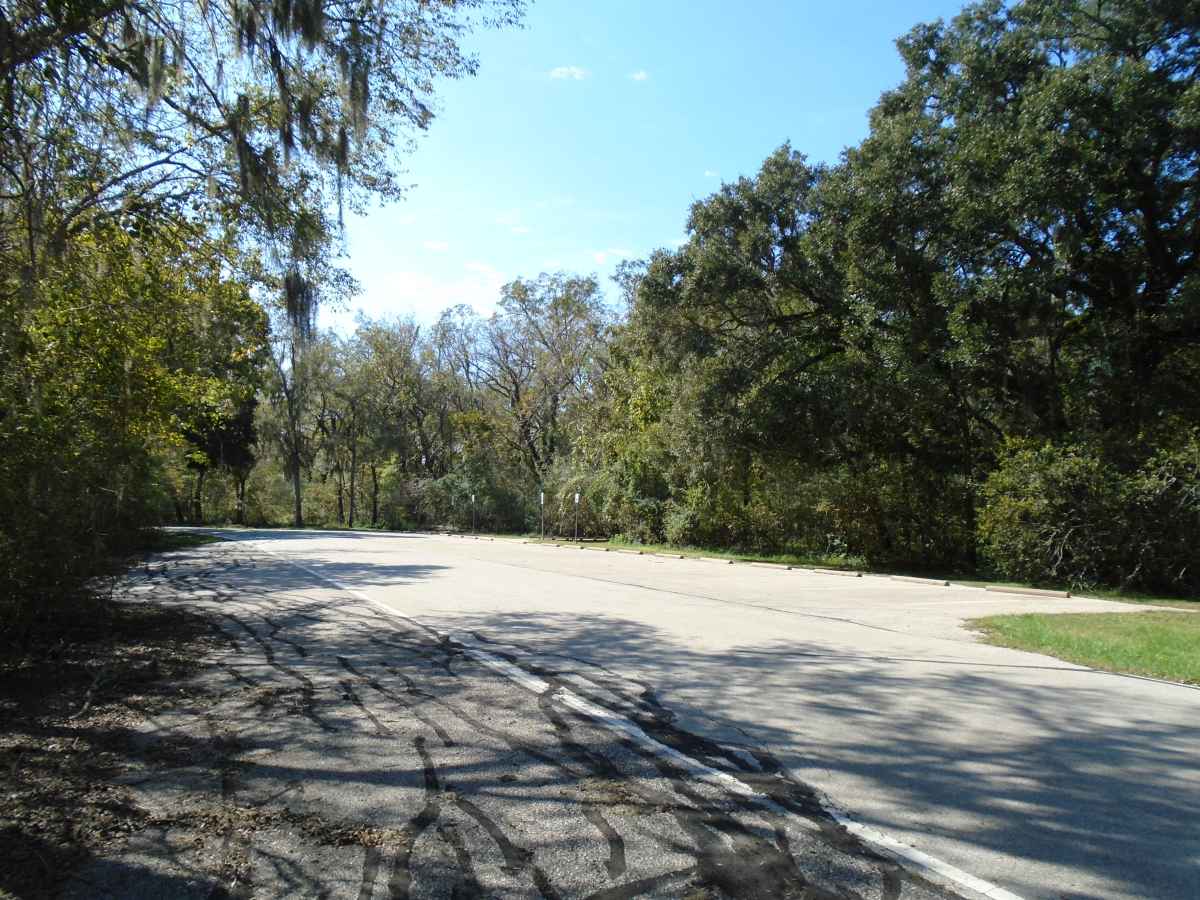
[981, 768]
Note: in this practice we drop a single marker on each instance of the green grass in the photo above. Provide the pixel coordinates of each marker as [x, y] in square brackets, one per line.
[1155, 644]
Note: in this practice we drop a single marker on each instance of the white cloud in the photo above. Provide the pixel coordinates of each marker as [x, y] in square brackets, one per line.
[387, 294]
[520, 229]
[639, 75]
[568, 73]
[711, 173]
[436, 246]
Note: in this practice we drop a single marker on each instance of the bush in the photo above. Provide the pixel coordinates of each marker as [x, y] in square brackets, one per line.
[893, 514]
[1055, 514]
[1165, 500]
[1061, 514]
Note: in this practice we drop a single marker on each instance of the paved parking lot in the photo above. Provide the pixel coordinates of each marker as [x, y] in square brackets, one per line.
[1041, 777]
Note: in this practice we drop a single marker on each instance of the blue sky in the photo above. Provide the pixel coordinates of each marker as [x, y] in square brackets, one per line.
[587, 135]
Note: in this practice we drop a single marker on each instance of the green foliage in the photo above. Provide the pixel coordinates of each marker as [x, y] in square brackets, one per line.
[897, 514]
[1062, 514]
[1055, 514]
[998, 287]
[1166, 496]
[166, 171]
[108, 367]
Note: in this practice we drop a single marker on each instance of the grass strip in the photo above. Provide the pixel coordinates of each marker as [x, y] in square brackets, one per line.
[1155, 644]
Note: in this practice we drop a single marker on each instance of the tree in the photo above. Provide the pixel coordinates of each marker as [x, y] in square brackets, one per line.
[114, 106]
[1025, 210]
[750, 312]
[112, 366]
[154, 139]
[1010, 254]
[226, 441]
[536, 356]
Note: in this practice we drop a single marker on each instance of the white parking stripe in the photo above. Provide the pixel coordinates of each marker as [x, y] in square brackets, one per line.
[929, 867]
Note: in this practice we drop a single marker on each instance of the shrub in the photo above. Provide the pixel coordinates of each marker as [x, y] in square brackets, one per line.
[1061, 514]
[1056, 514]
[894, 513]
[1165, 503]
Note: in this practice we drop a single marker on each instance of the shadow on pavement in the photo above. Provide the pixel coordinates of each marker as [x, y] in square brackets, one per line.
[1046, 780]
[361, 720]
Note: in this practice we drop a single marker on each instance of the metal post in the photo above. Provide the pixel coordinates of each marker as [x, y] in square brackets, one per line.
[577, 515]
[474, 527]
[542, 505]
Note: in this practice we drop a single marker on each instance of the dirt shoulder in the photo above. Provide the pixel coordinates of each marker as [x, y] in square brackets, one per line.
[71, 697]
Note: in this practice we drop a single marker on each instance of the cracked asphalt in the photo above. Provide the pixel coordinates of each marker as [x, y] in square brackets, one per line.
[402, 716]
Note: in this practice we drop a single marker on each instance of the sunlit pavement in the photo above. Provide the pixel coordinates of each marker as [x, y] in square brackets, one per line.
[1036, 776]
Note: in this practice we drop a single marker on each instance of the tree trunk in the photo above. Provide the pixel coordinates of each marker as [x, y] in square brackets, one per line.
[198, 498]
[374, 495]
[239, 513]
[341, 485]
[298, 509]
[353, 479]
[294, 425]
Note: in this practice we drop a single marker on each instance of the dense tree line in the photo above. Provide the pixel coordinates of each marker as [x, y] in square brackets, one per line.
[172, 174]
[399, 426]
[972, 343]
[974, 340]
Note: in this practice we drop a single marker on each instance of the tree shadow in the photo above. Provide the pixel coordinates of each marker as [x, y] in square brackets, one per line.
[990, 757]
[1016, 758]
[1053, 773]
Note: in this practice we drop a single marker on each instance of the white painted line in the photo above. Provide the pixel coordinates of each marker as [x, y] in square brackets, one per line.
[530, 682]
[929, 867]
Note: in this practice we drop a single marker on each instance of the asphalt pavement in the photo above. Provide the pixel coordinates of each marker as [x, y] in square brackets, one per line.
[507, 719]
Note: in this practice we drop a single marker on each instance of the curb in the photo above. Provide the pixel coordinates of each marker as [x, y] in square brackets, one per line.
[1031, 592]
[841, 573]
